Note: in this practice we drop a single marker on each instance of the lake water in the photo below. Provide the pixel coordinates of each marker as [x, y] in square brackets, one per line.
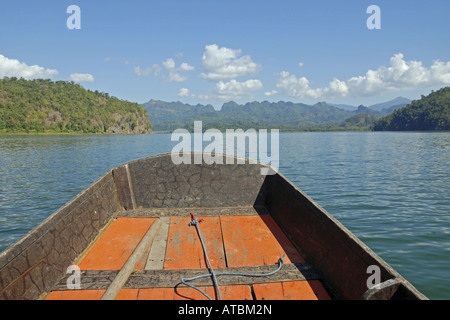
[392, 190]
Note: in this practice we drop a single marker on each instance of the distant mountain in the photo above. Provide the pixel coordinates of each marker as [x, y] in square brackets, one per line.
[384, 108]
[429, 113]
[398, 102]
[168, 116]
[161, 111]
[345, 107]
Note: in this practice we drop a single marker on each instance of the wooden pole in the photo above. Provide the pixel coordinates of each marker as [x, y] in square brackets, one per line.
[123, 275]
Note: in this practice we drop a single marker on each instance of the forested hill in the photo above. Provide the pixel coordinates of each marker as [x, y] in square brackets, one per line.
[38, 106]
[429, 113]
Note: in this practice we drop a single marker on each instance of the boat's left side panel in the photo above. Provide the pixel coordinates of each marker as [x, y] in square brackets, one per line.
[35, 263]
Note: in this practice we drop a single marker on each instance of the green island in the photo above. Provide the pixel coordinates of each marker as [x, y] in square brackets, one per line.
[44, 106]
[428, 113]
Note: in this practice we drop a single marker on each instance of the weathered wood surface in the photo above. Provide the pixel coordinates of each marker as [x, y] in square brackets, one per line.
[198, 211]
[159, 183]
[324, 242]
[156, 256]
[384, 291]
[35, 263]
[139, 279]
[127, 269]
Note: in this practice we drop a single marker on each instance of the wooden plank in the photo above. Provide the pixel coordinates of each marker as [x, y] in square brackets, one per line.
[200, 211]
[269, 291]
[291, 290]
[239, 292]
[255, 240]
[127, 294]
[130, 265]
[76, 295]
[184, 249]
[171, 278]
[156, 257]
[141, 264]
[304, 290]
[226, 293]
[116, 245]
[188, 293]
[156, 294]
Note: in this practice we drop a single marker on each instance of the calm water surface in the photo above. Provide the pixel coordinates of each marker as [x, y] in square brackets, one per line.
[390, 189]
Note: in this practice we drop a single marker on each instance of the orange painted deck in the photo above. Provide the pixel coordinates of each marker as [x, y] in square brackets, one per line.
[231, 242]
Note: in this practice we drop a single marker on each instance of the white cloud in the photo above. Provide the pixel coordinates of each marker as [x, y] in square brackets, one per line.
[184, 92]
[270, 93]
[186, 67]
[225, 63]
[169, 64]
[400, 75]
[201, 97]
[81, 77]
[176, 77]
[235, 89]
[440, 72]
[154, 69]
[15, 68]
[296, 87]
[173, 72]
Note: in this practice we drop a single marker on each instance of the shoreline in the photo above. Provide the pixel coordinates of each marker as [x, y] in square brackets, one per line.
[223, 131]
[67, 134]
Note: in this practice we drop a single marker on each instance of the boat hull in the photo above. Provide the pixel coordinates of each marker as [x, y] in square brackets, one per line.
[155, 187]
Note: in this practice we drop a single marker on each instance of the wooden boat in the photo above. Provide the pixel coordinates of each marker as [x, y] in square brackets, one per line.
[127, 236]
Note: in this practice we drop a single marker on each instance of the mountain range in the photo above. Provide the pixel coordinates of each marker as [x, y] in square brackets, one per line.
[168, 116]
[399, 101]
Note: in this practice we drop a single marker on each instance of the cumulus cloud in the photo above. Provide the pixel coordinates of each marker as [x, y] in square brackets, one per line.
[225, 63]
[271, 93]
[400, 75]
[81, 77]
[184, 92]
[186, 67]
[154, 69]
[169, 64]
[296, 87]
[15, 68]
[235, 89]
[176, 77]
[173, 72]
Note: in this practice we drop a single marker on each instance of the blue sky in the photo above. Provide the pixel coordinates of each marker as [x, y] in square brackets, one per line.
[216, 51]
